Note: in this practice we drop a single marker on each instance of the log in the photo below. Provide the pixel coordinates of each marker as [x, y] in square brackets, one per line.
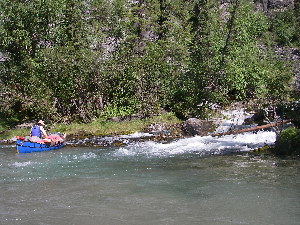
[252, 128]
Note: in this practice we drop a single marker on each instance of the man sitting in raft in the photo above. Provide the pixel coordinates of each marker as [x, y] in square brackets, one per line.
[38, 130]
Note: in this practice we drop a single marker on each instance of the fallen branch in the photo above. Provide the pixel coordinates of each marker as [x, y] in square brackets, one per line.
[252, 128]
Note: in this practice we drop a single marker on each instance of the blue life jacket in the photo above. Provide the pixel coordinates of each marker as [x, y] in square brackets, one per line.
[36, 131]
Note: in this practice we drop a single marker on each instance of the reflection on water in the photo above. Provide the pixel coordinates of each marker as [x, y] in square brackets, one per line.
[193, 181]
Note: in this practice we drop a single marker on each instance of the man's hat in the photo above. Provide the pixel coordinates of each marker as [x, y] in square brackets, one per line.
[41, 122]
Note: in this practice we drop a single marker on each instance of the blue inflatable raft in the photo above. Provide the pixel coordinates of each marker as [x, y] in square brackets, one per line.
[28, 146]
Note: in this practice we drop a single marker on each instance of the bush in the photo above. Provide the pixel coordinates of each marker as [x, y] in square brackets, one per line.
[284, 26]
[288, 142]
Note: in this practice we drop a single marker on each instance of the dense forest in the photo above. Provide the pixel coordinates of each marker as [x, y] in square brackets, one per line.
[72, 60]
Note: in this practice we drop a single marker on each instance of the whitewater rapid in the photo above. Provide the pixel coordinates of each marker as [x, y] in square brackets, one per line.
[207, 145]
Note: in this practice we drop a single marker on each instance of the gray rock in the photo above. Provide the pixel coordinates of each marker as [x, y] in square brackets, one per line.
[194, 126]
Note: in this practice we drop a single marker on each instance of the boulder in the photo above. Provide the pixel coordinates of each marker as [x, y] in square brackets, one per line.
[257, 118]
[156, 127]
[115, 119]
[194, 126]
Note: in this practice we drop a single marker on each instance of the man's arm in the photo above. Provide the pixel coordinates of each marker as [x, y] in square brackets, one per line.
[43, 132]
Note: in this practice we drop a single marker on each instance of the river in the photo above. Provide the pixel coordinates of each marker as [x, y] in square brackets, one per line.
[197, 180]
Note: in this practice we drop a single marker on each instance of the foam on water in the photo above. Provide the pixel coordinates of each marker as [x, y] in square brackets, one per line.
[136, 135]
[207, 145]
[232, 118]
[22, 164]
[84, 156]
[6, 146]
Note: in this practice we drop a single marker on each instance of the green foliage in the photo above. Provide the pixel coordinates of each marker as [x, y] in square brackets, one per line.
[290, 110]
[242, 63]
[194, 86]
[80, 60]
[227, 63]
[284, 25]
[288, 142]
[297, 16]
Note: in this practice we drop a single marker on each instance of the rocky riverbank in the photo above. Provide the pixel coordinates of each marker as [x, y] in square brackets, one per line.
[160, 132]
[157, 132]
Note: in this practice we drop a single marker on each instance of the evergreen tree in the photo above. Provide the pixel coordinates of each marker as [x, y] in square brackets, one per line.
[242, 62]
[198, 84]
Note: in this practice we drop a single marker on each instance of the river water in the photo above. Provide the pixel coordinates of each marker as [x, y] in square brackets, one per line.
[198, 180]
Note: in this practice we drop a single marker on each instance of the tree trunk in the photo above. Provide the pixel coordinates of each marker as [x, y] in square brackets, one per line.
[252, 128]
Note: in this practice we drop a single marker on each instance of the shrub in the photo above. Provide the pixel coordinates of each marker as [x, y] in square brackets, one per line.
[288, 142]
